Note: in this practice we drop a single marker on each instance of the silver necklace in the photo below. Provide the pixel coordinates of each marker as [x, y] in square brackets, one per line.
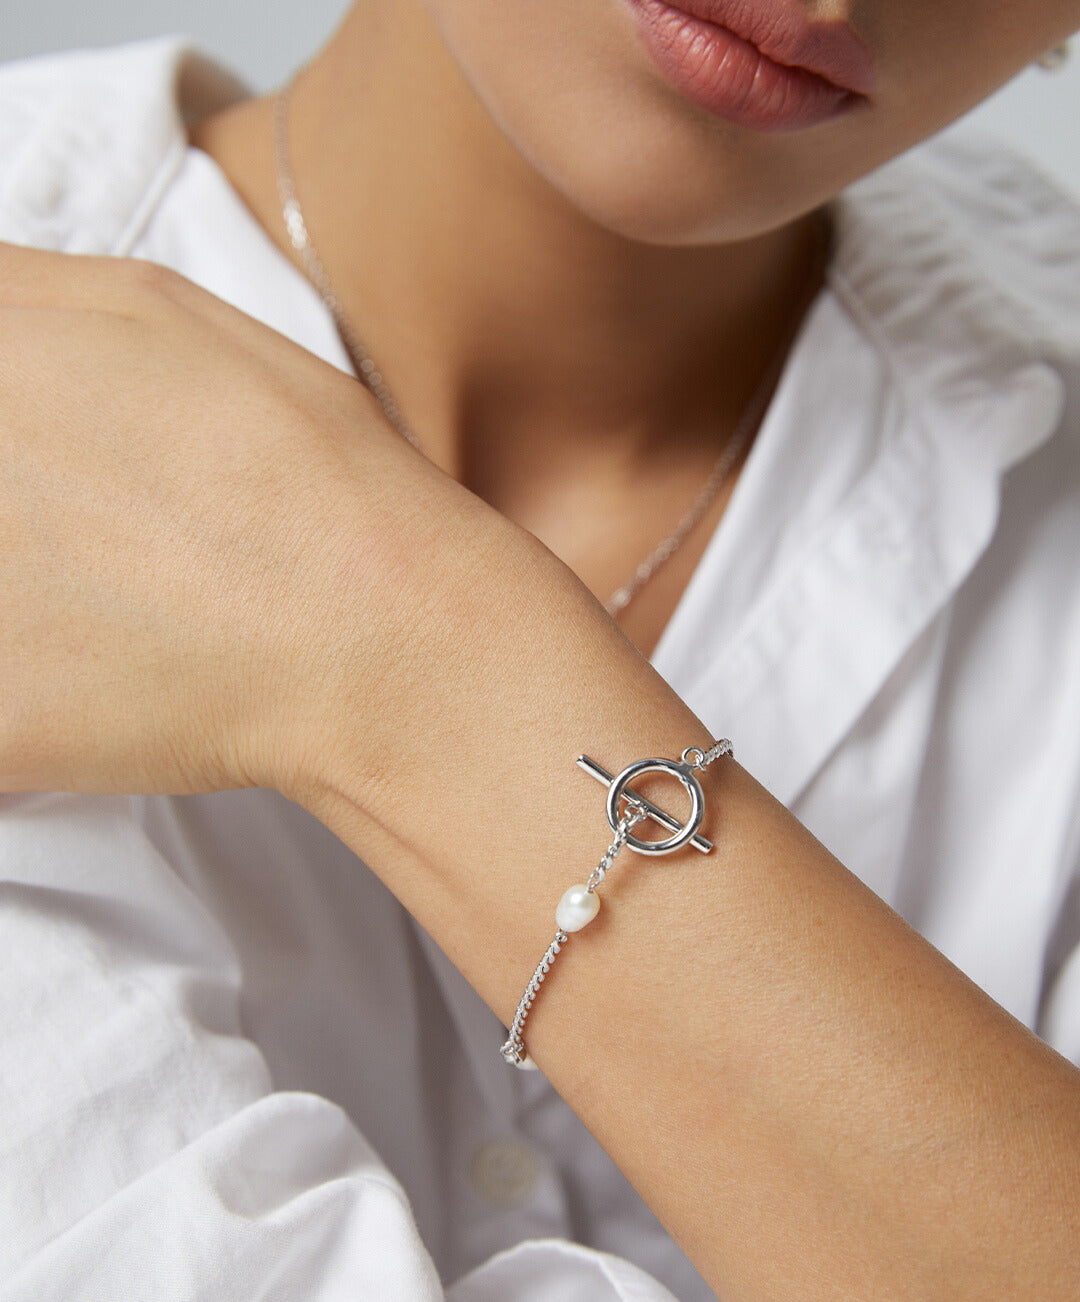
[371, 376]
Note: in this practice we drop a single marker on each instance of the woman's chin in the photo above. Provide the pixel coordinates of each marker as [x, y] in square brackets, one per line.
[672, 195]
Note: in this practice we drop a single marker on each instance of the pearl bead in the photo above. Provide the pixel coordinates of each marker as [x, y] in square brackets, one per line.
[577, 908]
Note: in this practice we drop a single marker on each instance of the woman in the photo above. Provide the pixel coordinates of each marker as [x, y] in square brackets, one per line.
[578, 242]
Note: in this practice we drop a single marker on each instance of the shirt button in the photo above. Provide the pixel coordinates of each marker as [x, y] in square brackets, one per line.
[504, 1172]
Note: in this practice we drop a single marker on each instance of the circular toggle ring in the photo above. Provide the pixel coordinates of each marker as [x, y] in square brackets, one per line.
[685, 775]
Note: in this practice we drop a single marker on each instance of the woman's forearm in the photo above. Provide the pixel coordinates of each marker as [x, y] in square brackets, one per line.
[813, 1100]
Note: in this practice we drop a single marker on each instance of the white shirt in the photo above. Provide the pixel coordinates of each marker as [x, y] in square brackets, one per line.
[232, 1067]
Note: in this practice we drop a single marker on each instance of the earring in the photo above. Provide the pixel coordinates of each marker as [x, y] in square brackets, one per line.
[1055, 59]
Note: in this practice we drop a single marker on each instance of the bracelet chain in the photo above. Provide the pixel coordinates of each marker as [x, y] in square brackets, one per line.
[513, 1050]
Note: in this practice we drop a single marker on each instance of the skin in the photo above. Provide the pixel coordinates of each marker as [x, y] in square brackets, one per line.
[816, 1111]
[551, 358]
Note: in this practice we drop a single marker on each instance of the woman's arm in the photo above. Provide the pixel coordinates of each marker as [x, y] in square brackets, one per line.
[219, 569]
[814, 1101]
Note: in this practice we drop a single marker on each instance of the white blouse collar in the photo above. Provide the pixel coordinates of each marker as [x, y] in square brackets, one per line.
[939, 356]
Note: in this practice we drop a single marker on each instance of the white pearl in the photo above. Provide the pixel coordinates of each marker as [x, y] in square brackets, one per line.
[577, 908]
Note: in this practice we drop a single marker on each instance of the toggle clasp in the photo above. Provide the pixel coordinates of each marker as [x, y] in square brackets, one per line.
[681, 769]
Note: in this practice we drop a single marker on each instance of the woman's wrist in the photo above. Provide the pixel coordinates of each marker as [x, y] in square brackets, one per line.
[451, 768]
[375, 564]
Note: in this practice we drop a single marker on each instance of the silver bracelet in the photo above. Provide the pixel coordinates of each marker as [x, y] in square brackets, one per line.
[580, 904]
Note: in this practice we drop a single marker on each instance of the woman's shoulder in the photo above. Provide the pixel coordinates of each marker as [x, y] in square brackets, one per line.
[89, 138]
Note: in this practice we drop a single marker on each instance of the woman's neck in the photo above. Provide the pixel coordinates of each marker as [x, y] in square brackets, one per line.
[513, 330]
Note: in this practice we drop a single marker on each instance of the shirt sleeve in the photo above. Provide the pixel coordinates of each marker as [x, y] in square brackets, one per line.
[144, 1152]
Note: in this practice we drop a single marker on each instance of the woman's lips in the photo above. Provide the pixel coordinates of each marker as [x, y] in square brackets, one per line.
[759, 63]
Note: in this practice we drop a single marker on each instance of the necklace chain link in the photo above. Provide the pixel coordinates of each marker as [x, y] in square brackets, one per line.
[370, 375]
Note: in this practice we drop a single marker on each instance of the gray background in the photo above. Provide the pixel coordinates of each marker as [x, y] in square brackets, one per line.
[263, 40]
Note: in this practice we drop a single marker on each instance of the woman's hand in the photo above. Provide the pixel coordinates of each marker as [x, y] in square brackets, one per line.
[187, 499]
